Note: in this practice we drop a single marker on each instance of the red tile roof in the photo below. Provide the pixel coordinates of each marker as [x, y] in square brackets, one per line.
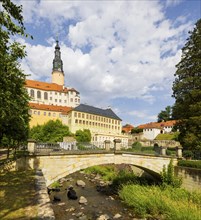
[62, 109]
[127, 128]
[47, 86]
[158, 124]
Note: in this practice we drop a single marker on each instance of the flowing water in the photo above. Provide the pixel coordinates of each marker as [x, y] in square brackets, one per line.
[97, 203]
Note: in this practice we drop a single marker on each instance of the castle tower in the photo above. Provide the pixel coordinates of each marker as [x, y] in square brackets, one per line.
[57, 71]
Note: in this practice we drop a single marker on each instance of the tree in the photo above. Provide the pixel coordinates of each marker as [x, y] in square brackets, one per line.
[136, 130]
[165, 115]
[14, 117]
[83, 135]
[50, 132]
[187, 91]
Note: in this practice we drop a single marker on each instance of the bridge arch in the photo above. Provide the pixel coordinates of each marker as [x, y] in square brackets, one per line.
[55, 167]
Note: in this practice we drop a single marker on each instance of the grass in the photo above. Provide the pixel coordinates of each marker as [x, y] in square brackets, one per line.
[168, 136]
[190, 163]
[17, 195]
[108, 172]
[162, 203]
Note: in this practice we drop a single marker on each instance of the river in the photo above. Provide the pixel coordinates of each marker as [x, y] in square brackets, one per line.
[98, 203]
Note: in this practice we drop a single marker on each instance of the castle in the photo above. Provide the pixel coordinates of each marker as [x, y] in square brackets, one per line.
[52, 101]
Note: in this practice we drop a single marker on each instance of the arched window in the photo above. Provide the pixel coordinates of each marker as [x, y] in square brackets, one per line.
[38, 94]
[32, 93]
[45, 95]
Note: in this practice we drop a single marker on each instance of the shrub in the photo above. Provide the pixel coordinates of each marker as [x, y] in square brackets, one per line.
[187, 154]
[190, 163]
[168, 177]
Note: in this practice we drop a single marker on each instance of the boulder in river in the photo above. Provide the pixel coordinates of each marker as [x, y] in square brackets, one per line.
[82, 200]
[81, 183]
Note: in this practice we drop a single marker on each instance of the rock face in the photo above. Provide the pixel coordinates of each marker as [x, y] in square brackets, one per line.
[82, 200]
[81, 183]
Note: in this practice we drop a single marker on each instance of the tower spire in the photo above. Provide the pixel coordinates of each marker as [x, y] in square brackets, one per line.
[57, 70]
[57, 62]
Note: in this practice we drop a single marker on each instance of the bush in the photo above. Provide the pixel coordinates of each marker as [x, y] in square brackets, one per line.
[190, 163]
[187, 154]
[159, 203]
[168, 177]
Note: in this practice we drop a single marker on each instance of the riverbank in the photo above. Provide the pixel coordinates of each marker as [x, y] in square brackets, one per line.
[18, 195]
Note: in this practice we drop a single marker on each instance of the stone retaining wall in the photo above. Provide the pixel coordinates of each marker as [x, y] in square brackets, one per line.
[191, 178]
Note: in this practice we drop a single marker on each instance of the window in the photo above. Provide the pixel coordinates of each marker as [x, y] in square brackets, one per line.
[55, 93]
[32, 93]
[50, 98]
[38, 112]
[49, 113]
[54, 114]
[59, 100]
[30, 112]
[71, 99]
[38, 94]
[55, 100]
[44, 113]
[45, 95]
[76, 121]
[75, 114]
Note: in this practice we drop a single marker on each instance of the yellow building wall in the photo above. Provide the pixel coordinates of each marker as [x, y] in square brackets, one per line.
[40, 117]
[95, 123]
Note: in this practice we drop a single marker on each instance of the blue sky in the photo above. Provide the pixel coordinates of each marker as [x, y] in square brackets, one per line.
[120, 54]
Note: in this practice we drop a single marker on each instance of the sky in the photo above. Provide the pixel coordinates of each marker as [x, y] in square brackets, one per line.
[118, 54]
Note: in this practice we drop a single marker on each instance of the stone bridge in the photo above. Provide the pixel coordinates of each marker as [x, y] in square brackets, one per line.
[57, 165]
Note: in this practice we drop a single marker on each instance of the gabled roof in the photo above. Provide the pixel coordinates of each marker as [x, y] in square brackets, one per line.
[55, 108]
[96, 111]
[47, 86]
[158, 125]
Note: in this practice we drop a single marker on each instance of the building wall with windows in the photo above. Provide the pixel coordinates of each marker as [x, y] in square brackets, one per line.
[41, 114]
[52, 94]
[151, 130]
[103, 124]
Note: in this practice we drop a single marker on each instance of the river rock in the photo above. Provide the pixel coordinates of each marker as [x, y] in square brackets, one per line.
[83, 200]
[117, 216]
[103, 217]
[81, 183]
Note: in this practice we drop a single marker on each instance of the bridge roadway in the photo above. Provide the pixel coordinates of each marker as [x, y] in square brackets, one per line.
[56, 165]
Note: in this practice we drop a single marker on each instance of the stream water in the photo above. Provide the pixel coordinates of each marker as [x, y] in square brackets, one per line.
[98, 203]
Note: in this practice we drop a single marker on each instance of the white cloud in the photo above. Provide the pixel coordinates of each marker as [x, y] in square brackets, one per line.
[133, 47]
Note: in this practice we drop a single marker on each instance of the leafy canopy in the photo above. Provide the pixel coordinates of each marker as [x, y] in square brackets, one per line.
[50, 132]
[187, 91]
[14, 117]
[83, 135]
[165, 115]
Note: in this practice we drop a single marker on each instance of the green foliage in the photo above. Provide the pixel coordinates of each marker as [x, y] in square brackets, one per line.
[190, 163]
[168, 177]
[55, 184]
[107, 172]
[14, 99]
[187, 154]
[124, 178]
[136, 130]
[50, 132]
[136, 145]
[83, 135]
[162, 203]
[187, 91]
[168, 136]
[165, 115]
